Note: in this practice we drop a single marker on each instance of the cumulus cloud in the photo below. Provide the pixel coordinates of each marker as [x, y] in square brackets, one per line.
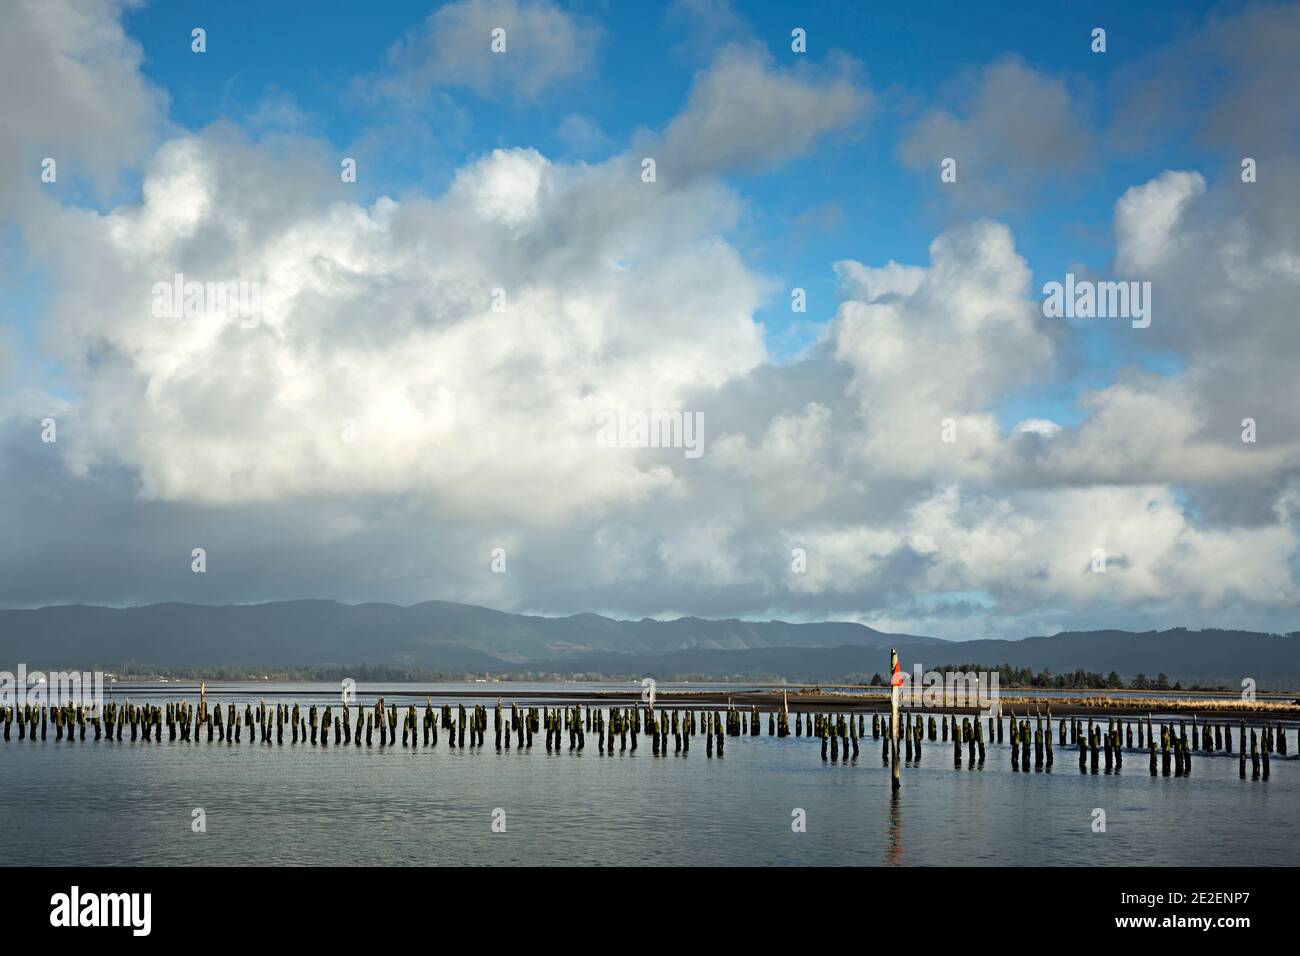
[384, 315]
[937, 343]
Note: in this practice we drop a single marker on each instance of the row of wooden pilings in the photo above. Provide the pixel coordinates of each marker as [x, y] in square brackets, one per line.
[186, 721]
[839, 734]
[1176, 748]
[1094, 742]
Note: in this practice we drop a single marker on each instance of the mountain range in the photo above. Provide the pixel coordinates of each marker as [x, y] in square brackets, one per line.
[442, 636]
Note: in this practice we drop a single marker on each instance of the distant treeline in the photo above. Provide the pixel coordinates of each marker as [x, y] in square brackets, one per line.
[361, 673]
[1009, 676]
[376, 673]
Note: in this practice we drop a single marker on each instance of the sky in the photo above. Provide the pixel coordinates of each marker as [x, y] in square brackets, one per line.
[411, 403]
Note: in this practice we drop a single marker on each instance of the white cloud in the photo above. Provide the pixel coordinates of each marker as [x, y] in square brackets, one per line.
[1042, 427]
[1147, 216]
[383, 314]
[1016, 127]
[746, 113]
[71, 90]
[941, 342]
[544, 48]
[1044, 546]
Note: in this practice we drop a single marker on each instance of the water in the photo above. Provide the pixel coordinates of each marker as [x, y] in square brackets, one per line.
[88, 803]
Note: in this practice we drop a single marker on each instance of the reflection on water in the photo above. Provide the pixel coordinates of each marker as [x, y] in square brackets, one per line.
[895, 829]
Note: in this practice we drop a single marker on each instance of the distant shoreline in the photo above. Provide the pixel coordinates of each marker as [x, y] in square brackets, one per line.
[800, 699]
